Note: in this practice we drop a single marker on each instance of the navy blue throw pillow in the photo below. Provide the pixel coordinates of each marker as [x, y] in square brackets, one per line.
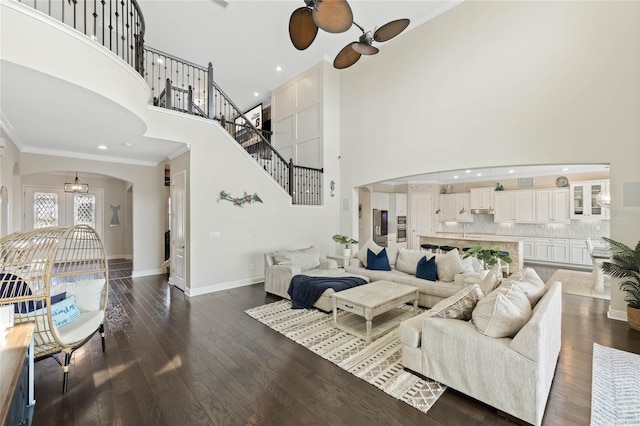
[14, 286]
[427, 269]
[378, 262]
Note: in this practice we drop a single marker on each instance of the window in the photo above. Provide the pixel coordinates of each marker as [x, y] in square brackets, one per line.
[84, 209]
[45, 209]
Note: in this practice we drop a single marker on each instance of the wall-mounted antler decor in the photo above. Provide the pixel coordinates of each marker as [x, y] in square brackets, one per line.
[239, 201]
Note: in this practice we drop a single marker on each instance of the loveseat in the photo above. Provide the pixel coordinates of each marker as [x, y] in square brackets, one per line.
[453, 272]
[506, 360]
[281, 266]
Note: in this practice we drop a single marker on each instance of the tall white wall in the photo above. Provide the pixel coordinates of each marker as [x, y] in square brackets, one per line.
[502, 83]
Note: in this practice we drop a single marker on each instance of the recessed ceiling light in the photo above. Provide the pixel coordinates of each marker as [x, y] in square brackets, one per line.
[478, 174]
[127, 144]
[565, 169]
[278, 68]
[511, 171]
[103, 147]
[256, 94]
[455, 177]
[467, 171]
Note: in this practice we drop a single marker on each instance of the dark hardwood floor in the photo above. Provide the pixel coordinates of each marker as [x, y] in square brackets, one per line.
[174, 360]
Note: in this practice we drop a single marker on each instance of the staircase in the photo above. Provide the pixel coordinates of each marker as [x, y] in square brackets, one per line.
[180, 85]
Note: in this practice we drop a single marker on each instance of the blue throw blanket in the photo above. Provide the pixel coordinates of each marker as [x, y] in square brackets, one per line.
[305, 290]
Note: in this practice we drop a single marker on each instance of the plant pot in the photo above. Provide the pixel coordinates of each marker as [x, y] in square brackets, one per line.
[633, 317]
[346, 252]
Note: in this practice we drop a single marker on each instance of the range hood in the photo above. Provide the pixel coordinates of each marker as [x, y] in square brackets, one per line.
[483, 211]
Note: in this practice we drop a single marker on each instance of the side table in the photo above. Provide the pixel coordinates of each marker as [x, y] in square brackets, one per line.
[340, 259]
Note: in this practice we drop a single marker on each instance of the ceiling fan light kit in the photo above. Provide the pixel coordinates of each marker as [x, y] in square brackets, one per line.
[335, 16]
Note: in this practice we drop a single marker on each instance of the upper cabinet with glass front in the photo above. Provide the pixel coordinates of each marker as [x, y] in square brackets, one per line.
[583, 200]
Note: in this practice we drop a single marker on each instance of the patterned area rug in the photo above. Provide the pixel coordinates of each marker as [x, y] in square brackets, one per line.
[581, 283]
[378, 363]
[615, 395]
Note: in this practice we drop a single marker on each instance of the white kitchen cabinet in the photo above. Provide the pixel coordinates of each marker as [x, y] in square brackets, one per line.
[528, 249]
[401, 204]
[583, 200]
[524, 206]
[552, 250]
[463, 207]
[503, 206]
[552, 205]
[481, 198]
[447, 208]
[579, 253]
[380, 201]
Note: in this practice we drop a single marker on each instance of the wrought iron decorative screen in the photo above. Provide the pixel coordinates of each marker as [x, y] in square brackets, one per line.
[84, 210]
[45, 209]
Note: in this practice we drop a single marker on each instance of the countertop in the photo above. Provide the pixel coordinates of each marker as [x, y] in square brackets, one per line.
[475, 237]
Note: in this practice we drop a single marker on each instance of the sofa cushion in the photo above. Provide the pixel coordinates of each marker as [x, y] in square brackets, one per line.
[491, 280]
[426, 269]
[449, 265]
[305, 259]
[529, 283]
[502, 313]
[362, 253]
[378, 262]
[458, 306]
[407, 261]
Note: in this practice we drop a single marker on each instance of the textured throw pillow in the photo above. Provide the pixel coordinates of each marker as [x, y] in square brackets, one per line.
[426, 269]
[362, 253]
[88, 294]
[530, 284]
[378, 262]
[458, 306]
[305, 259]
[502, 313]
[407, 261]
[449, 265]
[64, 312]
[491, 280]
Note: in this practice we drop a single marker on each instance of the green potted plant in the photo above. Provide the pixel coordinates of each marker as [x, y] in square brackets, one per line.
[625, 264]
[487, 256]
[346, 242]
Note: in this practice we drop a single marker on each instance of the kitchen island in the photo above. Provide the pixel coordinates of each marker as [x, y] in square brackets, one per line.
[507, 243]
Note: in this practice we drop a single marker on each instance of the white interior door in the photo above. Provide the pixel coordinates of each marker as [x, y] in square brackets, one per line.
[421, 217]
[178, 239]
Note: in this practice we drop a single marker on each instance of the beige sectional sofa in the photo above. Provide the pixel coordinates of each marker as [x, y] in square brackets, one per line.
[454, 273]
[504, 360]
[281, 266]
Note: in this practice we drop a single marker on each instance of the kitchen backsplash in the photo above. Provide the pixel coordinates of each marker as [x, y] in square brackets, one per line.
[483, 224]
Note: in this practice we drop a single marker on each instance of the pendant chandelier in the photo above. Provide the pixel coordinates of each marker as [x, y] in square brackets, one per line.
[76, 186]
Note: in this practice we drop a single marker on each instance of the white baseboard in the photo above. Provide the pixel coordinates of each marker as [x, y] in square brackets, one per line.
[191, 292]
[617, 315]
[135, 274]
[120, 256]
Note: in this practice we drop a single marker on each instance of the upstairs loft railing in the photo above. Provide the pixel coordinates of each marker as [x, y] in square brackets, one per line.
[180, 85]
[116, 24]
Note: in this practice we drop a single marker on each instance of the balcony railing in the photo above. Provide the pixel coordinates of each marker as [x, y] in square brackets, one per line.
[180, 85]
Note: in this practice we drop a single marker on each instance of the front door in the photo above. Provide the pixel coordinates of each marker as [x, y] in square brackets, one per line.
[421, 217]
[178, 239]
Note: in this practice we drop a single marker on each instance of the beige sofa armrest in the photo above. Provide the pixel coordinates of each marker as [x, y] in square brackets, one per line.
[355, 262]
[328, 263]
[277, 279]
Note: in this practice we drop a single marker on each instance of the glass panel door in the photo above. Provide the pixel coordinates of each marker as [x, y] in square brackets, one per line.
[578, 200]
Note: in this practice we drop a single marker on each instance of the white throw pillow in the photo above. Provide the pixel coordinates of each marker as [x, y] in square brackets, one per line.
[502, 313]
[369, 245]
[530, 283]
[448, 264]
[491, 280]
[407, 261]
[88, 294]
[458, 306]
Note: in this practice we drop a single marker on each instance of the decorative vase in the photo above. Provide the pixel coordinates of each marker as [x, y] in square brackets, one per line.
[633, 317]
[346, 252]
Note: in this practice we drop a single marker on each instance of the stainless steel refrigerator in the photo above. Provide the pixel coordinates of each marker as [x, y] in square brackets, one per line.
[380, 227]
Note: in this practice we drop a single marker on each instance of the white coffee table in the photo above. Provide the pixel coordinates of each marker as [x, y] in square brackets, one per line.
[379, 300]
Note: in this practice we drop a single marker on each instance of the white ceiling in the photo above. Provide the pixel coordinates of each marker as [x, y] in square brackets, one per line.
[496, 174]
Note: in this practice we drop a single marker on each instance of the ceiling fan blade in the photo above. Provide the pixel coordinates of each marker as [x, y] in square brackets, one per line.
[364, 48]
[346, 57]
[302, 29]
[390, 30]
[333, 16]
